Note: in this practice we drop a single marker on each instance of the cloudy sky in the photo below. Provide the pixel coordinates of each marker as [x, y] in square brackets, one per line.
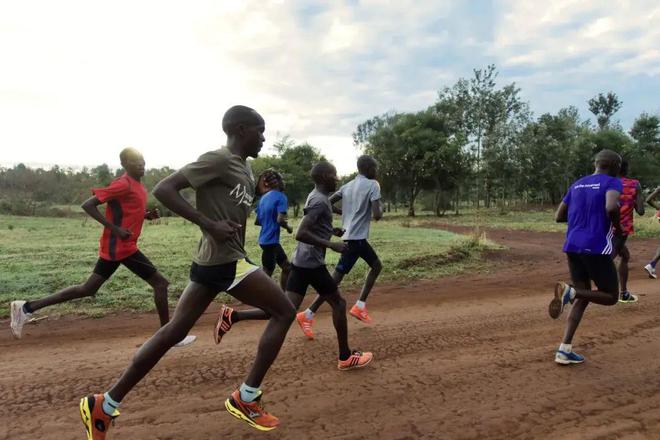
[82, 79]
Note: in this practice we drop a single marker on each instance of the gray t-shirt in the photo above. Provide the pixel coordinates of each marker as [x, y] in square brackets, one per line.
[318, 209]
[357, 197]
[224, 188]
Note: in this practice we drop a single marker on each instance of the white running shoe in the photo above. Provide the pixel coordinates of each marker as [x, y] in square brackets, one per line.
[18, 318]
[651, 271]
[186, 341]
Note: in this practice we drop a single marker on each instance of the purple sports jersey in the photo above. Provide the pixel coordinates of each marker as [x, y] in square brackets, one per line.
[590, 230]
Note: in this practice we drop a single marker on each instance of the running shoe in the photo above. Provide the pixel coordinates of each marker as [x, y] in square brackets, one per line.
[627, 298]
[358, 359]
[251, 412]
[18, 318]
[564, 358]
[223, 325]
[651, 271]
[305, 324]
[96, 421]
[186, 341]
[563, 295]
[360, 314]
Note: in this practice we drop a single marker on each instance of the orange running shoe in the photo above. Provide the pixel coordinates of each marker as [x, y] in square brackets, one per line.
[96, 421]
[360, 314]
[251, 412]
[358, 359]
[305, 324]
[223, 325]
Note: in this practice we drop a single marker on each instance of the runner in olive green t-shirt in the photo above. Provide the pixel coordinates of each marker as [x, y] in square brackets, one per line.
[224, 188]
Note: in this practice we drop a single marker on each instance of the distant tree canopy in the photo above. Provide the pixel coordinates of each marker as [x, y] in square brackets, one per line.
[478, 144]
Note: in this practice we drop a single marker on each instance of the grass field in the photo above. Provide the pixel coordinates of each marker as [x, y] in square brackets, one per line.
[39, 255]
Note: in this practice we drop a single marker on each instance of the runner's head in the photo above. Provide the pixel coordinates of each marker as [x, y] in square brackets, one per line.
[245, 130]
[324, 175]
[367, 166]
[133, 162]
[608, 161]
[623, 172]
[270, 175]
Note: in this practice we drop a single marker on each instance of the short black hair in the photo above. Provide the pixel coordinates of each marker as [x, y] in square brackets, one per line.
[321, 169]
[240, 114]
[605, 158]
[624, 168]
[364, 162]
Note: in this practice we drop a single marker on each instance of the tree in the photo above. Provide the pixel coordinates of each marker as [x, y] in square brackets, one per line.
[604, 107]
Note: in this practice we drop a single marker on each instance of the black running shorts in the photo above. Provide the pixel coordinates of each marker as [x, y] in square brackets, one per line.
[137, 263]
[319, 278]
[222, 277]
[600, 269]
[272, 254]
[356, 249]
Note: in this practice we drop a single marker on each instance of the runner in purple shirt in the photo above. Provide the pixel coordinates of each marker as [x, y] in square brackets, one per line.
[591, 208]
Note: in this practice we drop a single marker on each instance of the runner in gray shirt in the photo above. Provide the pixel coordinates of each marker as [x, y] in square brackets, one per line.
[360, 203]
[308, 267]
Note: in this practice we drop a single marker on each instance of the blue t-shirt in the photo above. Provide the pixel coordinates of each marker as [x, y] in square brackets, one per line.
[590, 230]
[272, 203]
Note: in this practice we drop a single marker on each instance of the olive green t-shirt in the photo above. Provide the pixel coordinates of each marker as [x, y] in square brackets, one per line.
[224, 189]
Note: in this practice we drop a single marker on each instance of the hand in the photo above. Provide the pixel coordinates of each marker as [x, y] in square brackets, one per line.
[339, 246]
[289, 229]
[338, 232]
[152, 214]
[222, 230]
[267, 179]
[122, 233]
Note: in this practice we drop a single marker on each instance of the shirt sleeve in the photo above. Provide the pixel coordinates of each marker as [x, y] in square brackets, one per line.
[375, 191]
[208, 167]
[567, 197]
[615, 185]
[118, 188]
[282, 204]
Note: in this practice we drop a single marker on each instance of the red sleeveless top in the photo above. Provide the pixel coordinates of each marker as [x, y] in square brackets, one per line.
[627, 204]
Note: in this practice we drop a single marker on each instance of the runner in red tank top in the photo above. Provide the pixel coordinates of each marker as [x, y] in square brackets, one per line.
[631, 200]
[126, 202]
[650, 267]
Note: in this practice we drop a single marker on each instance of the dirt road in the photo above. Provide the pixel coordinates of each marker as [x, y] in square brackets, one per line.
[467, 357]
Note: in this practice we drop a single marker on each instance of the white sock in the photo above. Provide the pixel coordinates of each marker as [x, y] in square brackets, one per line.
[566, 348]
[361, 304]
[573, 293]
[309, 314]
[248, 393]
[110, 405]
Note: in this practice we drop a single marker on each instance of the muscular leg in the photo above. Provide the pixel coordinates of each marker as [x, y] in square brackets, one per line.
[88, 288]
[574, 318]
[656, 257]
[597, 296]
[320, 299]
[372, 275]
[194, 301]
[160, 285]
[338, 305]
[260, 291]
[623, 268]
[284, 275]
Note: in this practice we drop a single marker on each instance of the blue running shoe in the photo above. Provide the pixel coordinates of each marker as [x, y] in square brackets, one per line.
[563, 295]
[563, 358]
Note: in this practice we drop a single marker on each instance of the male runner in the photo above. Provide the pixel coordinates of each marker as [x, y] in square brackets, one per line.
[126, 203]
[631, 199]
[271, 216]
[224, 189]
[650, 267]
[360, 202]
[308, 268]
[591, 207]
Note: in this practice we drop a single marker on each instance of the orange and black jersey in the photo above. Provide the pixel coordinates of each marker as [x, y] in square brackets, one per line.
[126, 203]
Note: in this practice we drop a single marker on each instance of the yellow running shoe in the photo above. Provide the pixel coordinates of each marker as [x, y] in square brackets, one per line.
[96, 421]
[251, 412]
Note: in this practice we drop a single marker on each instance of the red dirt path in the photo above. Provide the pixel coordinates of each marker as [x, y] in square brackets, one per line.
[466, 357]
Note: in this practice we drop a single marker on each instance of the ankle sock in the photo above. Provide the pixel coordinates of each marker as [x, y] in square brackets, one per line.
[309, 314]
[566, 348]
[361, 305]
[109, 404]
[248, 393]
[653, 263]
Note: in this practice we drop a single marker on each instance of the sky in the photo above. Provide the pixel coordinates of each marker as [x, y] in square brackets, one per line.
[82, 79]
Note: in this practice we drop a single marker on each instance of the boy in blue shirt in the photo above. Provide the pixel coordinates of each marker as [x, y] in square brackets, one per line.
[271, 216]
[591, 208]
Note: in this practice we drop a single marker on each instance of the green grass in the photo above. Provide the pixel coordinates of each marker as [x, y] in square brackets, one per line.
[537, 220]
[40, 255]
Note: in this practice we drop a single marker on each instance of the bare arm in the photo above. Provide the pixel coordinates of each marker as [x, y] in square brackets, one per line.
[90, 206]
[561, 216]
[167, 191]
[377, 209]
[639, 201]
[613, 211]
[305, 235]
[334, 199]
[283, 221]
[651, 198]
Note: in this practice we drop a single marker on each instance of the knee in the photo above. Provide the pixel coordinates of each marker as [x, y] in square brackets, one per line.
[85, 290]
[377, 267]
[289, 313]
[614, 298]
[170, 334]
[160, 284]
[337, 301]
